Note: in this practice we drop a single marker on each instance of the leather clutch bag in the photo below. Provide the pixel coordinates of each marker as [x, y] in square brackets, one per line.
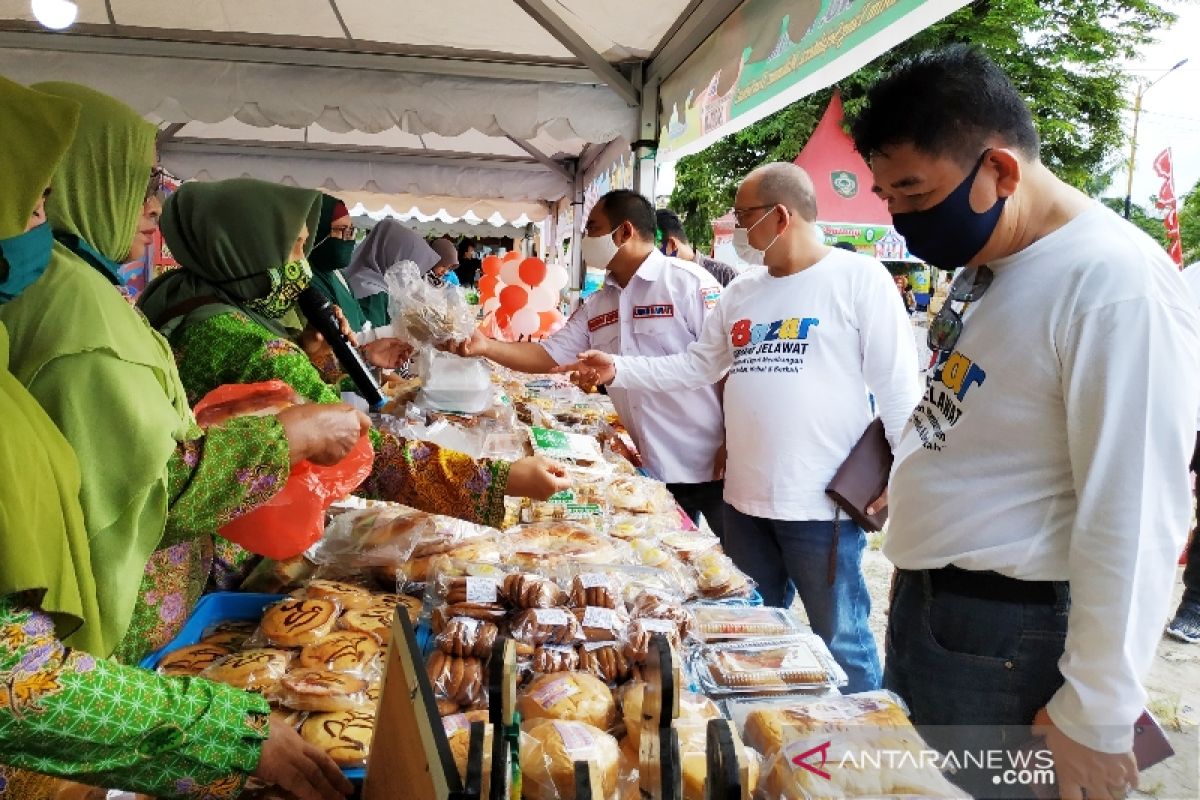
[863, 477]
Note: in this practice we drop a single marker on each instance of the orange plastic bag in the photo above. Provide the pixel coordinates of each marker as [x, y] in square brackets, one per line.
[294, 519]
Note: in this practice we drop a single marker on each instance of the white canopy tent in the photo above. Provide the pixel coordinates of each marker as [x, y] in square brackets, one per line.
[487, 107]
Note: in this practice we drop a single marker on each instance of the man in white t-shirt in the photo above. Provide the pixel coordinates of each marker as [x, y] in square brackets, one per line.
[803, 341]
[1185, 625]
[649, 305]
[1039, 497]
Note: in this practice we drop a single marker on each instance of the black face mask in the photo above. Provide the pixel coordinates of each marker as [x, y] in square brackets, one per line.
[951, 233]
[331, 254]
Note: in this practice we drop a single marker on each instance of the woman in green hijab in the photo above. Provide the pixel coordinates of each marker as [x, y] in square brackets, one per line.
[331, 254]
[63, 710]
[153, 488]
[239, 244]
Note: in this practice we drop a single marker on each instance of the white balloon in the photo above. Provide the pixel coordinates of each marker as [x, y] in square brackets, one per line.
[510, 273]
[556, 278]
[542, 298]
[525, 322]
[491, 305]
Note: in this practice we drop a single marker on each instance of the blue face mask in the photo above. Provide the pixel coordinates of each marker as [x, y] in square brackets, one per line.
[26, 257]
[951, 233]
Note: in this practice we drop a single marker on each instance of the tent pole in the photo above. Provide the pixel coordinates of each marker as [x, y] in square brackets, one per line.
[576, 267]
[645, 149]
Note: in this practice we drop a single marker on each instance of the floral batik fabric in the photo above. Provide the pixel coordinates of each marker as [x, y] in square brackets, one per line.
[212, 480]
[64, 713]
[232, 348]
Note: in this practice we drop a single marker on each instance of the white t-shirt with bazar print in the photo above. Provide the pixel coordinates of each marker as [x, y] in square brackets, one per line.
[1053, 444]
[802, 353]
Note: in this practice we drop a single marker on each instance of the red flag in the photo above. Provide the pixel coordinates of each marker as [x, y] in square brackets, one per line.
[1171, 222]
[1166, 194]
[1166, 202]
[1162, 165]
[1175, 251]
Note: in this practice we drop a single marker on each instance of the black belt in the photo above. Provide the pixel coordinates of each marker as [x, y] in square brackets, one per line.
[987, 585]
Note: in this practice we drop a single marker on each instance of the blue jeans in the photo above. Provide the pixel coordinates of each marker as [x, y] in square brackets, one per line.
[780, 553]
[973, 672]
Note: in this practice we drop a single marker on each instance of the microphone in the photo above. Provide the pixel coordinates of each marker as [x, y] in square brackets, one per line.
[319, 311]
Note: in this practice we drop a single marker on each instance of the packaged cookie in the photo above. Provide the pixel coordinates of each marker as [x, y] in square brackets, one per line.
[652, 604]
[323, 690]
[598, 589]
[341, 651]
[232, 634]
[251, 670]
[601, 624]
[471, 589]
[766, 665]
[344, 735]
[718, 577]
[295, 622]
[554, 658]
[716, 623]
[375, 622]
[642, 631]
[192, 660]
[542, 626]
[642, 495]
[459, 680]
[524, 590]
[347, 595]
[576, 696]
[464, 636]
[605, 660]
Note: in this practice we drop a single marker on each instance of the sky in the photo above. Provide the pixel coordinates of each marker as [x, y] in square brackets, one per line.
[1170, 112]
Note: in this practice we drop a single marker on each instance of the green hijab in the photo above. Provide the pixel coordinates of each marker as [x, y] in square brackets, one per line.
[227, 237]
[328, 258]
[43, 541]
[125, 418]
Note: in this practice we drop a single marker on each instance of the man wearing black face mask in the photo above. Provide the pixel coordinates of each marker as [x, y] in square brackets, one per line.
[1039, 494]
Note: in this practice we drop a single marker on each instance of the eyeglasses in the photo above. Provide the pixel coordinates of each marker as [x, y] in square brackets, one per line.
[946, 328]
[739, 214]
[345, 234]
[160, 180]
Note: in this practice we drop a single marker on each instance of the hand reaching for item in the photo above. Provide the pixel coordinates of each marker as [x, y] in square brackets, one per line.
[536, 477]
[322, 434]
[477, 345]
[593, 368]
[387, 353]
[298, 767]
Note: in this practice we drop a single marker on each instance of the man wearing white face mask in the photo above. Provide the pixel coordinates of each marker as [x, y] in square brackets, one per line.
[802, 341]
[650, 305]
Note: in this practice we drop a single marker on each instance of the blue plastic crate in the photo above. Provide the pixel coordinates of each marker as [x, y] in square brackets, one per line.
[211, 610]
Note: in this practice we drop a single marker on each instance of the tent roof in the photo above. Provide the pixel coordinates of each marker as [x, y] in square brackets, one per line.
[840, 175]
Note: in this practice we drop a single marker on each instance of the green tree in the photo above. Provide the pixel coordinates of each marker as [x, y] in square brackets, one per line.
[1065, 56]
[1189, 224]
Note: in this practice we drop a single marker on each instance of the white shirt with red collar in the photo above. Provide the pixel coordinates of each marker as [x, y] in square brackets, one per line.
[660, 312]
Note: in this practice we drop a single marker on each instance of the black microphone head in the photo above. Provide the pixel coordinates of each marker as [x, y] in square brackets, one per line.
[312, 301]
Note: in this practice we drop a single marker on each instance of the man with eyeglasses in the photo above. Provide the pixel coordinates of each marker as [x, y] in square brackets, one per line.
[1039, 496]
[803, 342]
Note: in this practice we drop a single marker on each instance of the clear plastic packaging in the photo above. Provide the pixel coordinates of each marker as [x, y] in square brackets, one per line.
[717, 623]
[601, 624]
[576, 696]
[555, 658]
[599, 589]
[455, 384]
[548, 545]
[690, 545]
[251, 670]
[784, 730]
[718, 577]
[299, 622]
[323, 690]
[606, 660]
[342, 651]
[657, 605]
[549, 751]
[463, 636]
[692, 708]
[187, 662]
[633, 493]
[232, 634]
[641, 632]
[425, 314]
[542, 626]
[526, 590]
[349, 596]
[764, 666]
[344, 735]
[643, 526]
[693, 757]
[459, 680]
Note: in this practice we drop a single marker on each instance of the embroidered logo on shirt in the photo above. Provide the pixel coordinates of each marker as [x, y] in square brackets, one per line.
[710, 295]
[661, 310]
[602, 320]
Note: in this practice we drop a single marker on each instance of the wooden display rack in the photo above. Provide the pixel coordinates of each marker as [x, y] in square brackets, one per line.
[410, 754]
[659, 765]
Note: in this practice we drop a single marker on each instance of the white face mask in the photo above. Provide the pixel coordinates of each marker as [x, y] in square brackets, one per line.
[745, 251]
[599, 251]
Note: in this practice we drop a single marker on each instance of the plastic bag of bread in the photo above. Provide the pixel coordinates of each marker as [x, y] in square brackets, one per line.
[554, 658]
[692, 707]
[379, 535]
[574, 696]
[653, 604]
[716, 622]
[464, 637]
[549, 544]
[689, 545]
[718, 577]
[251, 670]
[643, 526]
[187, 662]
[759, 666]
[309, 689]
[459, 680]
[350, 596]
[852, 725]
[598, 589]
[344, 735]
[298, 622]
[549, 751]
[342, 651]
[542, 626]
[412, 575]
[376, 620]
[526, 590]
[232, 633]
[641, 495]
[458, 734]
[606, 660]
[601, 624]
[478, 586]
[693, 755]
[641, 632]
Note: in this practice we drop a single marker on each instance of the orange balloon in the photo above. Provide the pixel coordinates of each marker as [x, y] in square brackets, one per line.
[549, 319]
[513, 298]
[503, 318]
[487, 286]
[512, 255]
[532, 271]
[491, 265]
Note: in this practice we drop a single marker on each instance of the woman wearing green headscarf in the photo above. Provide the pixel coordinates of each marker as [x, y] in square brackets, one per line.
[153, 488]
[331, 254]
[238, 243]
[63, 710]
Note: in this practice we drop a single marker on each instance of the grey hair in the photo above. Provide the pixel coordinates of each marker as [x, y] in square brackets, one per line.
[788, 185]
